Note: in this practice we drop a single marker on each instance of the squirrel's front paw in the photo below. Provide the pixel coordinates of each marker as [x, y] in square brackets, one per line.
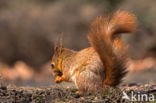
[58, 79]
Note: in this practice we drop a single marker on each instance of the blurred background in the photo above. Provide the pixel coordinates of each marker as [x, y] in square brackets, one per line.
[29, 29]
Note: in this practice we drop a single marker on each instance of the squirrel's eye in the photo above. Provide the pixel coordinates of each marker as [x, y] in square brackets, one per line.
[52, 65]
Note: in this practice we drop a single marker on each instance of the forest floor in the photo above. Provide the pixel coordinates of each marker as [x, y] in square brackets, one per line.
[60, 94]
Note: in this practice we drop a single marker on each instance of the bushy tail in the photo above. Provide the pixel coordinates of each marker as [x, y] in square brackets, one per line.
[104, 37]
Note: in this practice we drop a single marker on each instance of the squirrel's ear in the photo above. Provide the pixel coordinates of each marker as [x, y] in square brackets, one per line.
[58, 46]
[58, 49]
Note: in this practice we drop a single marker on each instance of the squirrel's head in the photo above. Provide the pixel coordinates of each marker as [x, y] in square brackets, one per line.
[56, 64]
[60, 56]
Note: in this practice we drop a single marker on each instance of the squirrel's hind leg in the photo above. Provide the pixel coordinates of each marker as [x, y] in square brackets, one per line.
[88, 82]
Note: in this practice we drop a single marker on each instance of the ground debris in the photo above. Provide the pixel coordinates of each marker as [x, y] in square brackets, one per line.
[59, 94]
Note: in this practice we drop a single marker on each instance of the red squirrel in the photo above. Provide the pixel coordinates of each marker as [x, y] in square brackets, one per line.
[103, 63]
